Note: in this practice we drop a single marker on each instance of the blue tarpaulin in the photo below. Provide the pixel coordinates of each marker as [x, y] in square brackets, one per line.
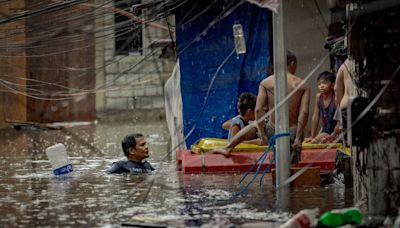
[205, 41]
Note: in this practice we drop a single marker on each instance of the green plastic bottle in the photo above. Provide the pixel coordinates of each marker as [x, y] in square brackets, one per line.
[341, 217]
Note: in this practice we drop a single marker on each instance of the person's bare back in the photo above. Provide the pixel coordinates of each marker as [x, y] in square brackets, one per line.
[297, 106]
[342, 85]
[294, 101]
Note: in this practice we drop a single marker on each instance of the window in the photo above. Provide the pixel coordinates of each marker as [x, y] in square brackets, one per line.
[128, 30]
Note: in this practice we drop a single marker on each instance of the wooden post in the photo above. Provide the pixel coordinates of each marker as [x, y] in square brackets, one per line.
[383, 168]
[376, 163]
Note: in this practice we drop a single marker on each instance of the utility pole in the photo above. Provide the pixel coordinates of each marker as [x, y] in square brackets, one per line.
[281, 112]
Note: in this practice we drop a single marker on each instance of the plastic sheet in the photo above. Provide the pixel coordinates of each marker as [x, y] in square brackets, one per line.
[203, 44]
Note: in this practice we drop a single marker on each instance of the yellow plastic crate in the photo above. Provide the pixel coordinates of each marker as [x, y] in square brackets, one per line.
[345, 150]
[207, 144]
[310, 146]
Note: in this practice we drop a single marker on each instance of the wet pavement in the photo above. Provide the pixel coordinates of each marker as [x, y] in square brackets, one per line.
[30, 196]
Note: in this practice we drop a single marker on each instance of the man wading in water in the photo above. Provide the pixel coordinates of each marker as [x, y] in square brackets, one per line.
[136, 150]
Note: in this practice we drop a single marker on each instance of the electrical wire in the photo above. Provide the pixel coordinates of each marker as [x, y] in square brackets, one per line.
[204, 103]
[104, 86]
[81, 90]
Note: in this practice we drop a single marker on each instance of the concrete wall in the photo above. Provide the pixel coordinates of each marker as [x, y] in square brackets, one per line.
[100, 18]
[306, 33]
[66, 42]
[130, 87]
[129, 82]
[13, 106]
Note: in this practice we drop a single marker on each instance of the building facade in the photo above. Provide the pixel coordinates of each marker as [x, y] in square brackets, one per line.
[130, 74]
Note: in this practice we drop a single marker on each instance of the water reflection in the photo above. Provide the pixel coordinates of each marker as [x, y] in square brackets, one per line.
[32, 196]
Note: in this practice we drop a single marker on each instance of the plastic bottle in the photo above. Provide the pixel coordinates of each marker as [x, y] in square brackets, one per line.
[240, 44]
[341, 217]
[58, 157]
[303, 219]
[388, 222]
[397, 221]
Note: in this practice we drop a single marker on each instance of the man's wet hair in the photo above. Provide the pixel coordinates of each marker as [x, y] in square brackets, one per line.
[327, 76]
[246, 101]
[290, 58]
[129, 141]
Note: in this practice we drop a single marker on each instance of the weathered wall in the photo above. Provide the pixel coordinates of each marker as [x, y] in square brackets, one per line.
[12, 65]
[46, 48]
[374, 45]
[99, 45]
[63, 57]
[306, 32]
[130, 82]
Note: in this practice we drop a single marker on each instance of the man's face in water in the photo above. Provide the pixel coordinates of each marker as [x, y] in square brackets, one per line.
[141, 151]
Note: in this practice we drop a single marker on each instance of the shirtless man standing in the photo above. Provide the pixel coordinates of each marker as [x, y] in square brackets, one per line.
[343, 80]
[298, 111]
[342, 90]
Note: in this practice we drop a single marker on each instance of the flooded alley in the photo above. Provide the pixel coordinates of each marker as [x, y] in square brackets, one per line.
[306, 90]
[32, 196]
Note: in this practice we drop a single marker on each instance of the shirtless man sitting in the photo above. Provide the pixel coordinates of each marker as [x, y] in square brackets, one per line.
[298, 112]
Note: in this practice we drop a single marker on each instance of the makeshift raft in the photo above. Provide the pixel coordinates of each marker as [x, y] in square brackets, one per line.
[198, 160]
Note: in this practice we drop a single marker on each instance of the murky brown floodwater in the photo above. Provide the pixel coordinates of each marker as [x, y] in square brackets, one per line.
[31, 196]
